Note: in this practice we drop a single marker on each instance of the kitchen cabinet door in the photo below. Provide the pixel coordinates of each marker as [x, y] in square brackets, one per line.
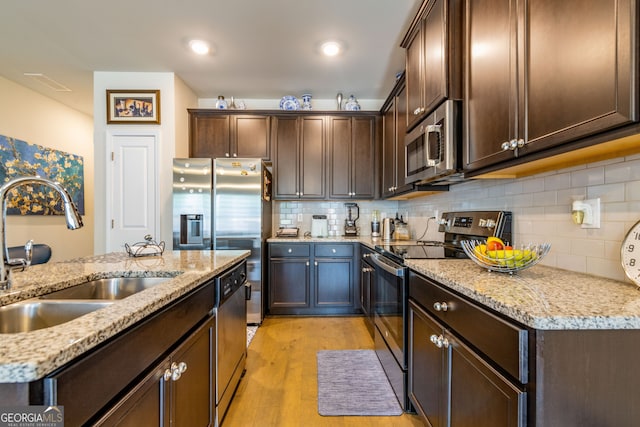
[312, 158]
[580, 66]
[491, 79]
[394, 131]
[432, 59]
[289, 285]
[389, 163]
[145, 405]
[334, 282]
[352, 157]
[414, 76]
[250, 137]
[480, 395]
[209, 135]
[285, 156]
[192, 402]
[427, 368]
[299, 157]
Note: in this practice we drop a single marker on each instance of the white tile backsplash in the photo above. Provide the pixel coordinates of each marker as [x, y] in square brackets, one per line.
[541, 206]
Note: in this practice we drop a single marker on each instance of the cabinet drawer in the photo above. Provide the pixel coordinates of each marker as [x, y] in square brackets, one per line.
[289, 250]
[334, 250]
[503, 342]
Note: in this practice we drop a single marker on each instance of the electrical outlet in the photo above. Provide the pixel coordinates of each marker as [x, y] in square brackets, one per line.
[299, 217]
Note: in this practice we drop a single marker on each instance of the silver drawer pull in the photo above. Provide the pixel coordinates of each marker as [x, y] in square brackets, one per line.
[333, 250]
[439, 341]
[289, 250]
[440, 306]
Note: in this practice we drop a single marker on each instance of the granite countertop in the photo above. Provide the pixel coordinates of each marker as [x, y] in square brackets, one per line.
[28, 356]
[540, 297]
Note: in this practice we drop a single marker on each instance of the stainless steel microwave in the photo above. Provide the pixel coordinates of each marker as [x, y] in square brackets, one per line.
[433, 149]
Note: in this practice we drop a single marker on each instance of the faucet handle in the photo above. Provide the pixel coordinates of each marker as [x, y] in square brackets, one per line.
[28, 251]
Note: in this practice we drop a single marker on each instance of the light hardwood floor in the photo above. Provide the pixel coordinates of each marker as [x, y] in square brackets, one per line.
[280, 386]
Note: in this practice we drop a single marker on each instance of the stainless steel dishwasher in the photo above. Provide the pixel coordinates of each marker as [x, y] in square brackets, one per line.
[231, 335]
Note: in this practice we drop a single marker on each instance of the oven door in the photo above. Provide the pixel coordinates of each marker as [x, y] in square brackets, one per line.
[390, 305]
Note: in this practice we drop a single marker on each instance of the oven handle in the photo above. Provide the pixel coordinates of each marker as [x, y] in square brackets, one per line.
[387, 266]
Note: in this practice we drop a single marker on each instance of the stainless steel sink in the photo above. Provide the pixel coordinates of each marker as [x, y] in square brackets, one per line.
[107, 289]
[31, 315]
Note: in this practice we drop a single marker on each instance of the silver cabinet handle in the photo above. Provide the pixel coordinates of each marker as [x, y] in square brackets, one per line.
[440, 306]
[289, 250]
[307, 263]
[439, 341]
[418, 111]
[226, 154]
[333, 250]
[175, 372]
[315, 263]
[235, 154]
[505, 146]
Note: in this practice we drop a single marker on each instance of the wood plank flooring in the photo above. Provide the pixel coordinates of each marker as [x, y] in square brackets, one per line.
[280, 386]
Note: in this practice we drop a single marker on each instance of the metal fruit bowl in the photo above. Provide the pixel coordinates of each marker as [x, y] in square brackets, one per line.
[506, 261]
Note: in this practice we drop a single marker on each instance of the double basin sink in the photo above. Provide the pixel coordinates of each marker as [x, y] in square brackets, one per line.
[67, 304]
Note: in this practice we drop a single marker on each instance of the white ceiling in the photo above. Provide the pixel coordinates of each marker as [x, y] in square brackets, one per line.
[264, 49]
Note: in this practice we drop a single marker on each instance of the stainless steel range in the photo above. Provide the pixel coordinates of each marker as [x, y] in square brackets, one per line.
[391, 303]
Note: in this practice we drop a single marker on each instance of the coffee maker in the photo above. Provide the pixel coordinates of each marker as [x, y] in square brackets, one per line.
[353, 213]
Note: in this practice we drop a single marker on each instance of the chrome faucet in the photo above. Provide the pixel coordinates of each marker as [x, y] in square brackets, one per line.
[7, 264]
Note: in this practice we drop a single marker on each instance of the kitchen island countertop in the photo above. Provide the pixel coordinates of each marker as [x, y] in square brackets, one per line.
[28, 356]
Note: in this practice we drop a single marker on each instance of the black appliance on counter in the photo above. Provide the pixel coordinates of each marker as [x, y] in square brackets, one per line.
[391, 290]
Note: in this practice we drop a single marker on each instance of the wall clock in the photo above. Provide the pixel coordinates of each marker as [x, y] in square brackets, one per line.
[630, 254]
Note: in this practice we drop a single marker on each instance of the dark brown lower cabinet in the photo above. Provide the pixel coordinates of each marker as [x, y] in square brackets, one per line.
[451, 385]
[312, 278]
[178, 391]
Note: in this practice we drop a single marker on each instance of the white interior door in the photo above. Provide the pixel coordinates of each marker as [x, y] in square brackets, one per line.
[133, 192]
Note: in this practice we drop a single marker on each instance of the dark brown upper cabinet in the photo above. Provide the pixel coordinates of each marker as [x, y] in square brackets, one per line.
[215, 133]
[352, 142]
[540, 74]
[299, 148]
[433, 62]
[394, 129]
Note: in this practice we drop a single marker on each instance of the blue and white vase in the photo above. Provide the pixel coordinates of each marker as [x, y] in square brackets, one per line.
[221, 104]
[352, 104]
[306, 101]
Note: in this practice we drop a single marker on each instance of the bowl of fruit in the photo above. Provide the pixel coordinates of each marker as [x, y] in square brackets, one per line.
[495, 255]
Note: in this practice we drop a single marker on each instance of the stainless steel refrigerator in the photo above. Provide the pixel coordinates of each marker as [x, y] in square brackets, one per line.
[242, 220]
[192, 187]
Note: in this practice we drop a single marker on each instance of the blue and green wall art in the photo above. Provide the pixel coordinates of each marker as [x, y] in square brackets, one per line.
[19, 158]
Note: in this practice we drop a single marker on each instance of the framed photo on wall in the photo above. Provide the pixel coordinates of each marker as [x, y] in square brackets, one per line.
[133, 106]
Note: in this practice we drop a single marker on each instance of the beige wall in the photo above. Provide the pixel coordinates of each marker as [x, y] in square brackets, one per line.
[33, 118]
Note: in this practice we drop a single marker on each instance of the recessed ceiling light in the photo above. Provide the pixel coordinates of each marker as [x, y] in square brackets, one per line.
[199, 47]
[331, 48]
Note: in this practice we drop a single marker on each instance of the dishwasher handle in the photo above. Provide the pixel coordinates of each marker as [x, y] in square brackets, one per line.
[388, 266]
[247, 291]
